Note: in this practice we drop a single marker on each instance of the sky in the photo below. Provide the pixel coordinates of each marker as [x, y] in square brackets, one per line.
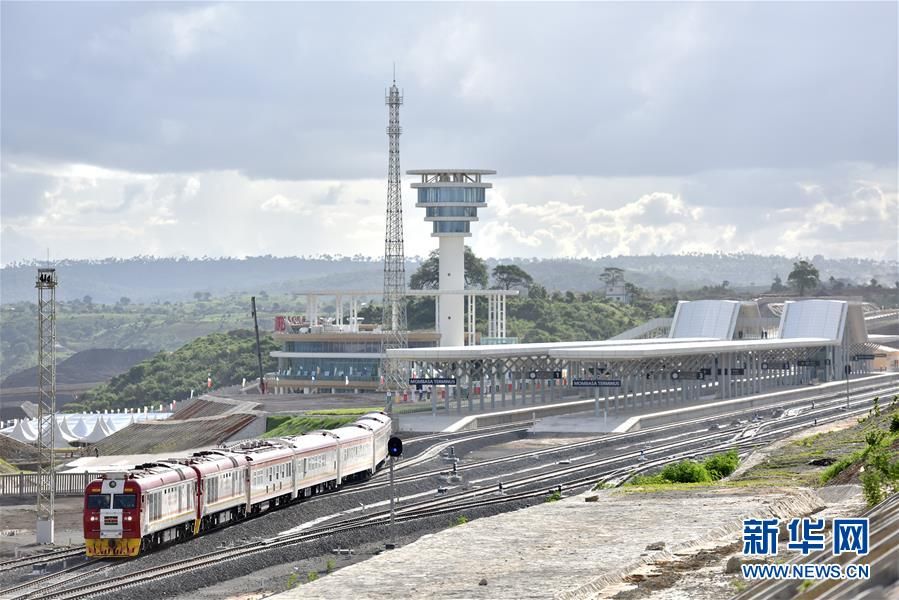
[245, 129]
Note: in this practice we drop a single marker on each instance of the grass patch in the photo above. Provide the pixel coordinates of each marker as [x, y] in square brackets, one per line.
[711, 469]
[654, 485]
[841, 465]
[279, 426]
[346, 412]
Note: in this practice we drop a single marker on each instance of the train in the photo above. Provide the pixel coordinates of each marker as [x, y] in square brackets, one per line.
[132, 512]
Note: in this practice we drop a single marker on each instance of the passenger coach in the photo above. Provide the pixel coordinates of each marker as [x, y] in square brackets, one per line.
[129, 512]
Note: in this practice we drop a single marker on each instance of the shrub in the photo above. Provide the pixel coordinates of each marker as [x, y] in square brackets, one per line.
[894, 423]
[686, 471]
[554, 497]
[722, 465]
[292, 581]
[460, 520]
[329, 566]
[872, 486]
[311, 576]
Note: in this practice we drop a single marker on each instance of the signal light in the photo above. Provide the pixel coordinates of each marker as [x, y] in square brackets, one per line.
[395, 447]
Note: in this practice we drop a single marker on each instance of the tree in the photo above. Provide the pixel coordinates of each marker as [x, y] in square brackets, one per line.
[87, 300]
[612, 275]
[778, 285]
[804, 276]
[427, 277]
[510, 276]
[124, 300]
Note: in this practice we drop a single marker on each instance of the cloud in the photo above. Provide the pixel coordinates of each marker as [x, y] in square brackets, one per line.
[239, 129]
[294, 91]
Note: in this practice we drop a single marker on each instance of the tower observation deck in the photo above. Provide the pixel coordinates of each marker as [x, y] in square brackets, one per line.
[451, 199]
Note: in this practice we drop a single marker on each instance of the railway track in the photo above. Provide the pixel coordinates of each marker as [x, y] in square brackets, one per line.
[46, 557]
[26, 590]
[823, 403]
[612, 468]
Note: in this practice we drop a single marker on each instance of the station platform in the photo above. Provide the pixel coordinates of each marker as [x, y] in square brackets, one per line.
[578, 415]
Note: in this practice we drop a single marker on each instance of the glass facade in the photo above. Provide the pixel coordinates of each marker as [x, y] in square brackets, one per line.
[333, 347]
[451, 211]
[455, 194]
[332, 369]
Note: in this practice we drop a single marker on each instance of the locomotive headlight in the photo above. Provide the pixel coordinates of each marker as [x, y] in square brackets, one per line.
[94, 518]
[128, 518]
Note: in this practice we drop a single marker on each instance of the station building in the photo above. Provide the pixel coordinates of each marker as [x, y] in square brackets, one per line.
[715, 348]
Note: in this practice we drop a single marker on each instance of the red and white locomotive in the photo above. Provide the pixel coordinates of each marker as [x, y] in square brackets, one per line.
[156, 503]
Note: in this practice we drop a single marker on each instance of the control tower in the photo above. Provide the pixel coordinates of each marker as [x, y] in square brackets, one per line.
[451, 199]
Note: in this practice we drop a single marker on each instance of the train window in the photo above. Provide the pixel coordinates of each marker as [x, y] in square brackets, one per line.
[124, 501]
[97, 501]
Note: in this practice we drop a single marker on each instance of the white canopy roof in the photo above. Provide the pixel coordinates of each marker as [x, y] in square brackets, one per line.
[687, 348]
[513, 350]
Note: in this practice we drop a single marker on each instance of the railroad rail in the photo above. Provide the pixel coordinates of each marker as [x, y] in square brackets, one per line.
[39, 559]
[616, 467]
[24, 591]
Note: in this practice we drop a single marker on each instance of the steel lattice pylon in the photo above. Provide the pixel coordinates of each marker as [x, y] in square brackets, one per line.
[46, 407]
[393, 317]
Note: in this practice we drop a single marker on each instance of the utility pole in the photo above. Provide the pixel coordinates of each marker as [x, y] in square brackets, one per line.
[258, 347]
[46, 406]
[847, 369]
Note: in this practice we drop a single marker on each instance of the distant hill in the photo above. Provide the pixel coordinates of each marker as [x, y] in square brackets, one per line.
[87, 366]
[147, 279]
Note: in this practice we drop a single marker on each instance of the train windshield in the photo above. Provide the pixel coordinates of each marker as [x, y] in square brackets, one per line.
[124, 501]
[97, 501]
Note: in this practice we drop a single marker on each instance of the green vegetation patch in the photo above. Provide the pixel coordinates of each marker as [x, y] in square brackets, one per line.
[867, 452]
[710, 470]
[280, 426]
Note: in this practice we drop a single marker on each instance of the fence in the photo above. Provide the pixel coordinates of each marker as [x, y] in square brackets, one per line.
[26, 484]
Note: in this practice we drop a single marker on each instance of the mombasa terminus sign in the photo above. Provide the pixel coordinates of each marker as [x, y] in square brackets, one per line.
[595, 382]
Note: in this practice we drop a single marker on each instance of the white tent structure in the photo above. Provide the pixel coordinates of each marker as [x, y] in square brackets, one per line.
[22, 432]
[61, 437]
[64, 426]
[80, 428]
[97, 434]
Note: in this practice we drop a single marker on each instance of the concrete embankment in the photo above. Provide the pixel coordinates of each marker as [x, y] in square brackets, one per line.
[568, 549]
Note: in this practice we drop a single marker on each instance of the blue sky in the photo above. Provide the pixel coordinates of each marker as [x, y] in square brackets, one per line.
[244, 128]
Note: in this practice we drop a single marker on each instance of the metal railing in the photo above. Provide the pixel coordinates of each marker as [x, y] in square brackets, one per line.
[26, 484]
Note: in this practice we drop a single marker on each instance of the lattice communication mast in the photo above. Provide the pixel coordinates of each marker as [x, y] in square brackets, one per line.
[393, 318]
[46, 406]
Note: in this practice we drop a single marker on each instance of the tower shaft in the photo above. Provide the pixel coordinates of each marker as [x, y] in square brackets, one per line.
[46, 406]
[393, 318]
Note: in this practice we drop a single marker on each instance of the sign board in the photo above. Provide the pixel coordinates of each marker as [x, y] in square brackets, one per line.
[705, 371]
[863, 357]
[579, 382]
[545, 375]
[808, 363]
[738, 371]
[432, 381]
[785, 366]
[687, 375]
